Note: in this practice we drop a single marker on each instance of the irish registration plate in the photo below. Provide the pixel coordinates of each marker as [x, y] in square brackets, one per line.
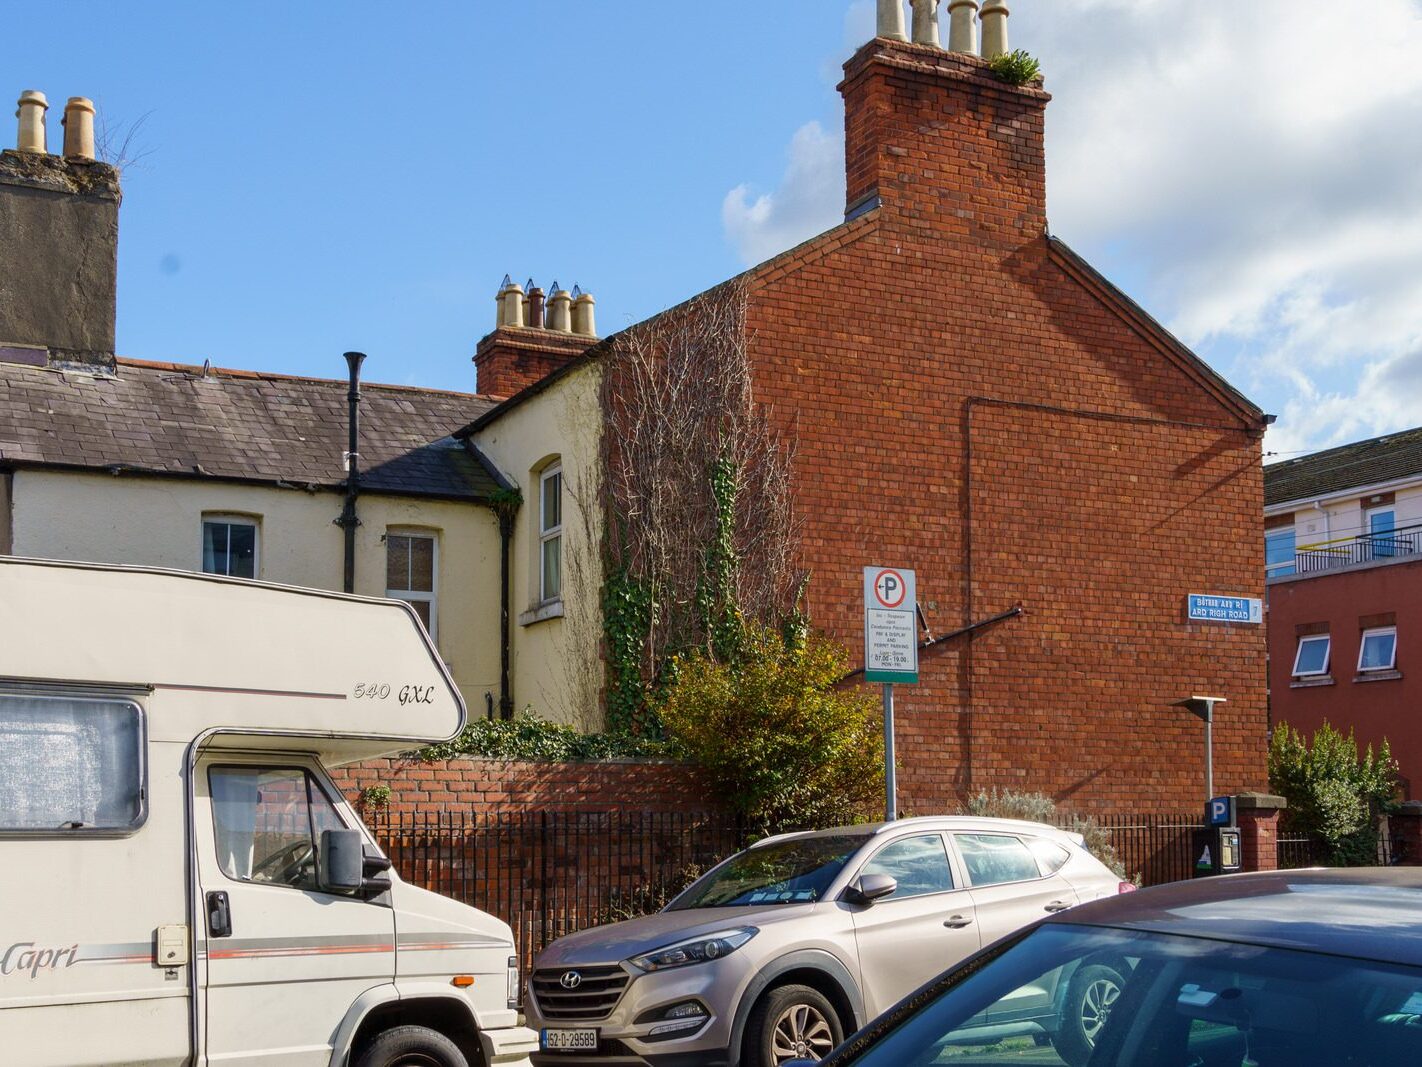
[570, 1040]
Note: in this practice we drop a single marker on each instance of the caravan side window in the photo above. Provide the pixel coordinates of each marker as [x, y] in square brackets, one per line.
[268, 821]
[70, 764]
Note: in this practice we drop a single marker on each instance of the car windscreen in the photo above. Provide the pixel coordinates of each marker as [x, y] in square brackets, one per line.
[1073, 996]
[797, 871]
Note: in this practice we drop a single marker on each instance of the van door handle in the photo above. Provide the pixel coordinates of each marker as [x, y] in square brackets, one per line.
[1057, 905]
[219, 915]
[957, 922]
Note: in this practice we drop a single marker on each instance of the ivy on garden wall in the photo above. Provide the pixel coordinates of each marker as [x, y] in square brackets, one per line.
[701, 536]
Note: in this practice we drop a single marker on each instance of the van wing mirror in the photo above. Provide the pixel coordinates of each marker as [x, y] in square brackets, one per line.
[868, 888]
[342, 861]
[373, 868]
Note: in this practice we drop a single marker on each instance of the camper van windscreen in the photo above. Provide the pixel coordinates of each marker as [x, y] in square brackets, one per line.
[70, 764]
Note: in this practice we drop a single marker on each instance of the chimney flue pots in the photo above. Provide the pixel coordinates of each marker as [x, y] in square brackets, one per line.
[560, 311]
[891, 20]
[31, 111]
[584, 323]
[962, 26]
[994, 18]
[78, 125]
[925, 22]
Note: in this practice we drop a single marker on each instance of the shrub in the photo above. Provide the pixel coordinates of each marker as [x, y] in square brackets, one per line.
[1332, 791]
[536, 741]
[1035, 807]
[783, 746]
[1015, 68]
[375, 796]
[646, 899]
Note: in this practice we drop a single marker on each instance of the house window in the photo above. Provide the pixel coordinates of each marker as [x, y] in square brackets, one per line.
[1312, 656]
[550, 534]
[1379, 651]
[411, 566]
[229, 546]
[1279, 552]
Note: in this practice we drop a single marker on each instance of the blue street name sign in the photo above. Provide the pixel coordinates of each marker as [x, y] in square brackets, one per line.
[1206, 607]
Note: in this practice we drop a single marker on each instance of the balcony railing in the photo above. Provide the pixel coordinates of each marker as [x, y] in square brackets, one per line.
[1365, 548]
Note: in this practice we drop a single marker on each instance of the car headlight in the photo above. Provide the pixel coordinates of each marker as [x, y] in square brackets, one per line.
[696, 950]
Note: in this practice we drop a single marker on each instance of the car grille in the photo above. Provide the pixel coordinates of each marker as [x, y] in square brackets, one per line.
[594, 997]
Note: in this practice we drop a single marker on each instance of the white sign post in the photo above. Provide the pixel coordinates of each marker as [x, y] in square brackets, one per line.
[890, 652]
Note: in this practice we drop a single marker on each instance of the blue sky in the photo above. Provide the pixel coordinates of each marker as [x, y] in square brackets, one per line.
[320, 177]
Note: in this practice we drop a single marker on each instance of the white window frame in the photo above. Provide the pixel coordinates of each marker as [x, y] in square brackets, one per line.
[1327, 655]
[418, 596]
[233, 519]
[1377, 631]
[550, 533]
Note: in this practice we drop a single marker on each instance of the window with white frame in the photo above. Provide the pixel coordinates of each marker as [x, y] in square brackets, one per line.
[411, 573]
[229, 545]
[1311, 659]
[550, 534]
[1379, 650]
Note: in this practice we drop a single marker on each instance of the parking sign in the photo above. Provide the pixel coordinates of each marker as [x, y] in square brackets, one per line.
[890, 625]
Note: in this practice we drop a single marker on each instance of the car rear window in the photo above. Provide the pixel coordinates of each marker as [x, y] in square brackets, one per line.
[1051, 857]
[992, 859]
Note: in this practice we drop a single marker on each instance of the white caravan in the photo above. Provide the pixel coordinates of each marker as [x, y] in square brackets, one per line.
[182, 884]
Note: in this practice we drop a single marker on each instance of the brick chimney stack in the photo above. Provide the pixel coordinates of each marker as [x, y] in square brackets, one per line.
[531, 340]
[934, 136]
[58, 242]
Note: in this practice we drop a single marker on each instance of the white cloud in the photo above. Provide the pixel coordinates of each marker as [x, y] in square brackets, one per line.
[1249, 169]
[810, 198]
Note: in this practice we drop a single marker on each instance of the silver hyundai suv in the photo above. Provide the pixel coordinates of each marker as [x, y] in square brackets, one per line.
[781, 950]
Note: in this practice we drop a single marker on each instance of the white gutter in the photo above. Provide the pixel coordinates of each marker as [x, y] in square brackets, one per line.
[1410, 481]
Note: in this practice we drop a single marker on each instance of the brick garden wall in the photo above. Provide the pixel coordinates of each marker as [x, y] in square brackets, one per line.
[969, 400]
[482, 786]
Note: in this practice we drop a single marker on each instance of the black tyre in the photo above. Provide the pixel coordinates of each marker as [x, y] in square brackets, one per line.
[412, 1046]
[1090, 996]
[793, 1022]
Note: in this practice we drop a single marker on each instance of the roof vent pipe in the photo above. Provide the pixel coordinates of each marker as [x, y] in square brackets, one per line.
[584, 324]
[33, 105]
[994, 18]
[560, 311]
[891, 20]
[962, 26]
[78, 125]
[925, 22]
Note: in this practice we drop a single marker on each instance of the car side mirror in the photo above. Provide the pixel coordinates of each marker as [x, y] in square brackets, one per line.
[868, 888]
[342, 862]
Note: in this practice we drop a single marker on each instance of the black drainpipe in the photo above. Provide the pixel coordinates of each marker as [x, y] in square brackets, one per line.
[349, 520]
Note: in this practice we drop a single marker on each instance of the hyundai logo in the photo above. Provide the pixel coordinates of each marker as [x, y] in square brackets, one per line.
[570, 980]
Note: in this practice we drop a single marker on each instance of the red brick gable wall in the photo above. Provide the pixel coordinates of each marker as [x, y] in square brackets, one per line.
[964, 405]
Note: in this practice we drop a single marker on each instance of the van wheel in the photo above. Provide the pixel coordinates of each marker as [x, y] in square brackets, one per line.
[793, 1022]
[412, 1046]
[1089, 1000]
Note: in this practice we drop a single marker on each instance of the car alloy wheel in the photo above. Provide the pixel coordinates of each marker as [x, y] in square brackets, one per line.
[1096, 1004]
[801, 1032]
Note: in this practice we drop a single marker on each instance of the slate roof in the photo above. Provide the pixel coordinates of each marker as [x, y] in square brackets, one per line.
[167, 418]
[1371, 462]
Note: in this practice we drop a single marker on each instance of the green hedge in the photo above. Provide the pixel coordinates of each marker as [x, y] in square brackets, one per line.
[535, 741]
